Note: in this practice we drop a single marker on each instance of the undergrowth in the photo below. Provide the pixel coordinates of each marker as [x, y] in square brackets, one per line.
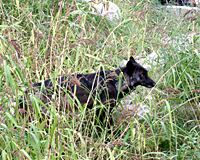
[44, 39]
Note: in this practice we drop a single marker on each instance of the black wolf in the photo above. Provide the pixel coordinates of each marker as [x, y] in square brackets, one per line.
[103, 87]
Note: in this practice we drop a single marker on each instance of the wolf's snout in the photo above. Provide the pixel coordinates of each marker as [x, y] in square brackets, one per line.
[151, 84]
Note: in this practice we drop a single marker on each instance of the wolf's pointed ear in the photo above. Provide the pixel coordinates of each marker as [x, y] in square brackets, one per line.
[132, 60]
[130, 67]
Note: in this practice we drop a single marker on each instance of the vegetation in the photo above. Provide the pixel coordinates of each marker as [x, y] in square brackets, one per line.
[44, 39]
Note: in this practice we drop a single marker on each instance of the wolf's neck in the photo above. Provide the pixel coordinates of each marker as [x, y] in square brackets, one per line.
[118, 71]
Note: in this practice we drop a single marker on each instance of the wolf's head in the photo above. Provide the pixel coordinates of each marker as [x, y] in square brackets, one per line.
[137, 75]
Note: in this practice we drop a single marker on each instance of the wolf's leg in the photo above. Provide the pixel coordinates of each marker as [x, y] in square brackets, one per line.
[106, 112]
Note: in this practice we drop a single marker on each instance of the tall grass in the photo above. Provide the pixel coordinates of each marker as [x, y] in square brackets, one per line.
[47, 39]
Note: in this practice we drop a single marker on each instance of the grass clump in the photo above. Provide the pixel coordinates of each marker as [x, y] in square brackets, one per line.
[45, 39]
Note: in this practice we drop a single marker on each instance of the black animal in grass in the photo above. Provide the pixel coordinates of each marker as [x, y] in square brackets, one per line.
[104, 87]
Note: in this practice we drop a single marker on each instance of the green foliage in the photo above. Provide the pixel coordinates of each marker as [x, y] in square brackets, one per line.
[44, 39]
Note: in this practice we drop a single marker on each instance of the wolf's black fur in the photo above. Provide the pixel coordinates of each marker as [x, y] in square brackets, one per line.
[102, 87]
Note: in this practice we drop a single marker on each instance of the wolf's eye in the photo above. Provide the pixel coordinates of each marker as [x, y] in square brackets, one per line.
[141, 75]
